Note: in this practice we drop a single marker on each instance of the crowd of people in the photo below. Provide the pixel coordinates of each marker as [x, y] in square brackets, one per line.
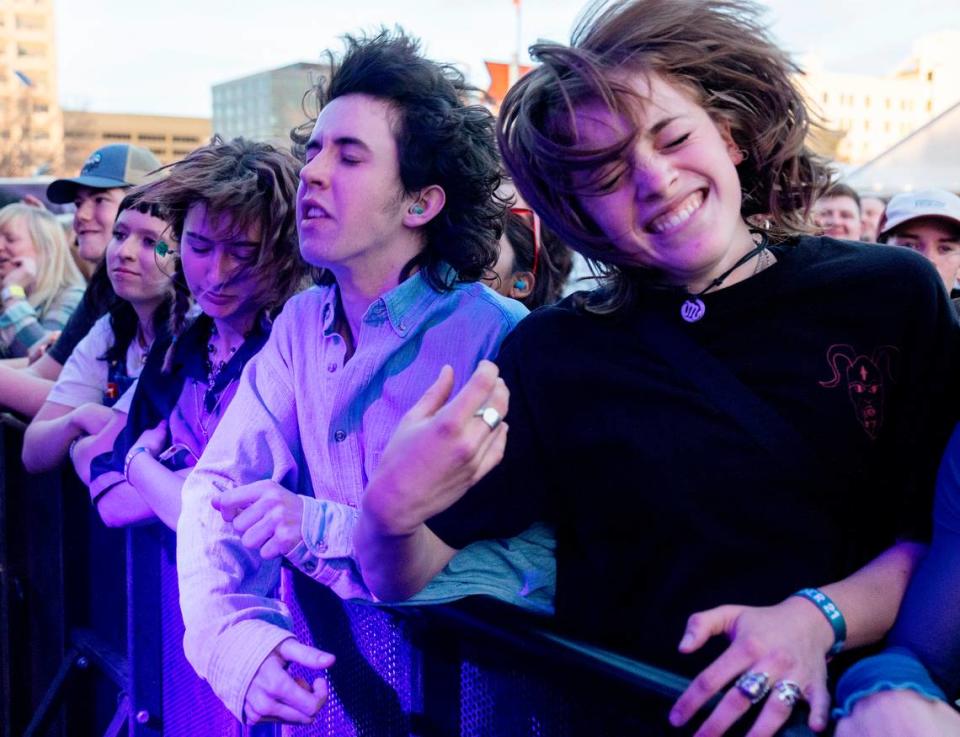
[739, 430]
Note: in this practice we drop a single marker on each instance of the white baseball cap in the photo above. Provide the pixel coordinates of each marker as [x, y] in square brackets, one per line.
[927, 203]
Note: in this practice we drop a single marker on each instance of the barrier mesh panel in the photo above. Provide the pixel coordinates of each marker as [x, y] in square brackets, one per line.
[375, 679]
[498, 702]
[189, 705]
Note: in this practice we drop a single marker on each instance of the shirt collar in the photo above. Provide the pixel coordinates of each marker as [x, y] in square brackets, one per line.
[405, 306]
[191, 351]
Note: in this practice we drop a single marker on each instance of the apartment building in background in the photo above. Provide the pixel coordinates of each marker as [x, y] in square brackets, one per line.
[265, 106]
[868, 114]
[31, 128]
[169, 137]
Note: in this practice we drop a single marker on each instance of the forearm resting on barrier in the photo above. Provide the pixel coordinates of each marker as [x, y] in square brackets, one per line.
[89, 447]
[439, 450]
[395, 566]
[48, 438]
[22, 390]
[792, 641]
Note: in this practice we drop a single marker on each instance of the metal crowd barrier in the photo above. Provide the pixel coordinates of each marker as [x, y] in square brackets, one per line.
[91, 643]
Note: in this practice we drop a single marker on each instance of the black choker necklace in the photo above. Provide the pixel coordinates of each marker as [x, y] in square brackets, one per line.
[693, 307]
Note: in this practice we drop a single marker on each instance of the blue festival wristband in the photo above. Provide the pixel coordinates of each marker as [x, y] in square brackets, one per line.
[831, 612]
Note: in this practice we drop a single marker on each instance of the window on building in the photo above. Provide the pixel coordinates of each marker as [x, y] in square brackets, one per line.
[866, 125]
[930, 76]
[109, 136]
[888, 103]
[40, 108]
[186, 139]
[886, 126]
[826, 98]
[866, 101]
[150, 137]
[30, 22]
[31, 50]
[929, 106]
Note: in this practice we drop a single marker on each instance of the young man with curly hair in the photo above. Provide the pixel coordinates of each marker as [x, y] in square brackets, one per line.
[397, 205]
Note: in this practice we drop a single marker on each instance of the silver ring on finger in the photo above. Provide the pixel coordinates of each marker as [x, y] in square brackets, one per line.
[490, 416]
[788, 692]
[754, 685]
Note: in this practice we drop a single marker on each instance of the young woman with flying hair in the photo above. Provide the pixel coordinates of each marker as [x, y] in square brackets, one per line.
[724, 420]
[92, 391]
[42, 285]
[231, 207]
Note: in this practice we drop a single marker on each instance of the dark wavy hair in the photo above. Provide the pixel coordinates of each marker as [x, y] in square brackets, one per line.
[440, 141]
[719, 53]
[123, 318]
[554, 261]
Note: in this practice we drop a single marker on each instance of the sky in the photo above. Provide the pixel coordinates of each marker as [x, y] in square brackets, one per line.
[162, 58]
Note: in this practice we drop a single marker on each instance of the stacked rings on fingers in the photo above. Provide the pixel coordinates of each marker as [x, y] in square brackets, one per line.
[788, 692]
[490, 416]
[754, 685]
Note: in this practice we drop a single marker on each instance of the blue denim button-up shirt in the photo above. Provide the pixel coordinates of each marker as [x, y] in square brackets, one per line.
[318, 425]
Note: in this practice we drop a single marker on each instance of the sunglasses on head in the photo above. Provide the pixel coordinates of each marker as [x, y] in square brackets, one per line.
[535, 221]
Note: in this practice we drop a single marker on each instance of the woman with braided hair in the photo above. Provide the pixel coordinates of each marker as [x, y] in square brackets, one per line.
[88, 403]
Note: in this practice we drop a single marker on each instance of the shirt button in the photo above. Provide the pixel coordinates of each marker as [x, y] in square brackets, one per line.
[310, 566]
[339, 436]
[331, 367]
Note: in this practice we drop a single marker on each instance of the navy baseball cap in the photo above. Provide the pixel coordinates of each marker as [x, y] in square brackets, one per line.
[116, 165]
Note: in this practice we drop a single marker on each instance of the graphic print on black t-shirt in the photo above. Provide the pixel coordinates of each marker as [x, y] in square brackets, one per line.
[865, 378]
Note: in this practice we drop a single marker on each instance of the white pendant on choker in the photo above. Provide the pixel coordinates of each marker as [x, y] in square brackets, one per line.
[693, 309]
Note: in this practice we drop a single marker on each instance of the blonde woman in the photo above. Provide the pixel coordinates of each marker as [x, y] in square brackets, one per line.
[41, 285]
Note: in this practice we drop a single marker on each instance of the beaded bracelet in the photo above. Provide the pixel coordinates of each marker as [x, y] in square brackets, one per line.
[831, 612]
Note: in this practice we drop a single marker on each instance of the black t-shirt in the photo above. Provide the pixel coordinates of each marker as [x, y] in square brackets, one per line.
[79, 325]
[665, 506]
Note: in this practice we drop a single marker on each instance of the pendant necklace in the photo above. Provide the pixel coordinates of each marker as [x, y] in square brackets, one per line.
[203, 417]
[693, 308]
[214, 367]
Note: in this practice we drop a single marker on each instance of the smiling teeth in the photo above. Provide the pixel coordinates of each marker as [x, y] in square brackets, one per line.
[316, 212]
[679, 215]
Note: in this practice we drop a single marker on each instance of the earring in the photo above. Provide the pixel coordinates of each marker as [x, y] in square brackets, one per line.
[162, 249]
[520, 284]
[417, 209]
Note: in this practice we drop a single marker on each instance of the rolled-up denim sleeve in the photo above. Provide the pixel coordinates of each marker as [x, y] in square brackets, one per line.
[327, 540]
